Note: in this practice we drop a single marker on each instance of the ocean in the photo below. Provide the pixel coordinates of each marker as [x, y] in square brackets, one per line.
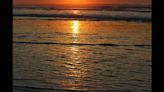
[93, 49]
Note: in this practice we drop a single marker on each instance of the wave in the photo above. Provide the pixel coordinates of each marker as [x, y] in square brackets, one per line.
[88, 17]
[88, 9]
[84, 13]
[80, 44]
[40, 89]
[136, 8]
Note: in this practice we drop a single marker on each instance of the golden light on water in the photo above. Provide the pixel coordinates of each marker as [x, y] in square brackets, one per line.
[75, 27]
[75, 31]
[75, 12]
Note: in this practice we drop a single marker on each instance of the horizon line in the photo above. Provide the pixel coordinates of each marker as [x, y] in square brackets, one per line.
[135, 5]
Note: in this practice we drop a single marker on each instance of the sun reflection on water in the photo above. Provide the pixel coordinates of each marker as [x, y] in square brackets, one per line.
[75, 69]
[75, 26]
[75, 72]
[75, 12]
[75, 31]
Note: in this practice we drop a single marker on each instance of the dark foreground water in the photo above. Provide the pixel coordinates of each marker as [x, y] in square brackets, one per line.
[64, 55]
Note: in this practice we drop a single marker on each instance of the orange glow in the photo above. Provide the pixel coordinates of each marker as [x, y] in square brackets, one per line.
[75, 12]
[75, 2]
[82, 2]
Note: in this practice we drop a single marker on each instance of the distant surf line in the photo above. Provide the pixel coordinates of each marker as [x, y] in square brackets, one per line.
[79, 44]
[127, 10]
[80, 17]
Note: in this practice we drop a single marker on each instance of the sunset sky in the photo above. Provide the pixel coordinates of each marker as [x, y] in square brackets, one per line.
[141, 2]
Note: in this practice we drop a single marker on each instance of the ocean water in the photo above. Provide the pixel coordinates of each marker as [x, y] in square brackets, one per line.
[84, 13]
[95, 50]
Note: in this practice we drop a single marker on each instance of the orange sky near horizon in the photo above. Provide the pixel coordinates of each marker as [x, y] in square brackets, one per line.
[76, 2]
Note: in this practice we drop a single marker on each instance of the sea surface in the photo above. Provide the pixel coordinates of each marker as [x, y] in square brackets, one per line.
[82, 49]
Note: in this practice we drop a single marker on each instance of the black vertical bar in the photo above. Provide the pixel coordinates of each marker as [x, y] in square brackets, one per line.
[6, 45]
